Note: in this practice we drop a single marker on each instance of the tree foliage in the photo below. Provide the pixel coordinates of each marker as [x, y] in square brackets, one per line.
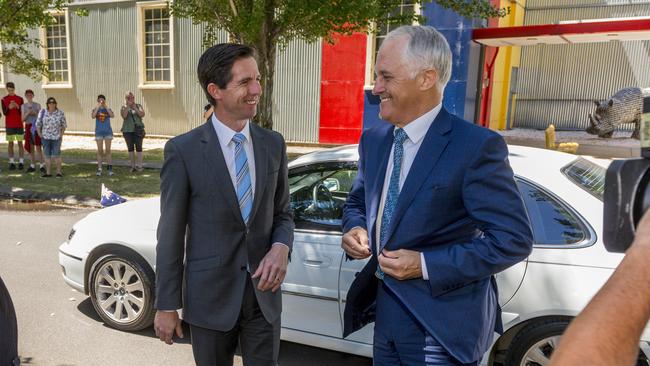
[267, 24]
[16, 18]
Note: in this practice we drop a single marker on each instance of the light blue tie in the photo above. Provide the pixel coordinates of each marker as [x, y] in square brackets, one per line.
[243, 178]
[393, 192]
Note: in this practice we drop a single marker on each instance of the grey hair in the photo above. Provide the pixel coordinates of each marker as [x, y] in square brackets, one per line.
[426, 49]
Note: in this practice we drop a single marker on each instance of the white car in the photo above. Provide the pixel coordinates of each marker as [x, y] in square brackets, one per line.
[110, 255]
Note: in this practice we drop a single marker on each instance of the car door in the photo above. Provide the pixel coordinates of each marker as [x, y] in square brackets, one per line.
[311, 289]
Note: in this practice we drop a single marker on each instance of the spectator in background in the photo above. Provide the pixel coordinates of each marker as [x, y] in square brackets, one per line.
[11, 104]
[103, 134]
[51, 126]
[133, 130]
[32, 140]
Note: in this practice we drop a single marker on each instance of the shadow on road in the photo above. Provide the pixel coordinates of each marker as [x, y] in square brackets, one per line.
[291, 354]
[87, 309]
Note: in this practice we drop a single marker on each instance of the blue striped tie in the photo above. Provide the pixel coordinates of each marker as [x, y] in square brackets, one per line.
[393, 192]
[243, 178]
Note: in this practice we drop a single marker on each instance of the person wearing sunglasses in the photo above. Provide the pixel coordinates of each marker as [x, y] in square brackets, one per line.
[51, 125]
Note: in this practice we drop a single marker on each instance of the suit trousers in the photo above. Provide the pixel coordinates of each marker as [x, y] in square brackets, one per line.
[399, 338]
[258, 339]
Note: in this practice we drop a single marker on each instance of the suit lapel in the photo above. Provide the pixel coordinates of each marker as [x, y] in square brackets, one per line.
[434, 143]
[218, 175]
[261, 166]
[376, 168]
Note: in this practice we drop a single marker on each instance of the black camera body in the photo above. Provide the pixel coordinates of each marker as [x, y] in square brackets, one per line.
[627, 192]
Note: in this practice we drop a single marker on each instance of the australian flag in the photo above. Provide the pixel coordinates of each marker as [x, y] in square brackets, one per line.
[110, 198]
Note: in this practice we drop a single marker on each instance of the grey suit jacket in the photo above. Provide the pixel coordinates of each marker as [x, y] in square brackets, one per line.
[204, 245]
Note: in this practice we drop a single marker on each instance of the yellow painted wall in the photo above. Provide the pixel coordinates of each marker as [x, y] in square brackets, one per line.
[507, 58]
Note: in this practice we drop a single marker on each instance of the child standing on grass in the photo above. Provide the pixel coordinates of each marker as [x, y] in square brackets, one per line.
[33, 144]
[103, 134]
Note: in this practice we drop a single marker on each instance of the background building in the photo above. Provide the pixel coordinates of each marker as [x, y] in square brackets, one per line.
[322, 91]
[575, 52]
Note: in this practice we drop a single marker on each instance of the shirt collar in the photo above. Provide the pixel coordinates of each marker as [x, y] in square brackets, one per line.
[417, 129]
[225, 133]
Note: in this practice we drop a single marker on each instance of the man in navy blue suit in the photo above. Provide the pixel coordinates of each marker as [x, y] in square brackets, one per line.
[436, 208]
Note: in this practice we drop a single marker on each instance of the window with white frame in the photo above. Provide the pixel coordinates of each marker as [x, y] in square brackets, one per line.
[407, 7]
[57, 51]
[156, 42]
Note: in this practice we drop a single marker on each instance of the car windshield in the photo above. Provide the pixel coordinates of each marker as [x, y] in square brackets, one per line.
[586, 175]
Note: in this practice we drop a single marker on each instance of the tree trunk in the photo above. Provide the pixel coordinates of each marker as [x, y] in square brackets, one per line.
[267, 70]
[266, 43]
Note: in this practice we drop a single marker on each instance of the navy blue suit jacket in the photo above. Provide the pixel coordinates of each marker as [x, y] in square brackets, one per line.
[460, 206]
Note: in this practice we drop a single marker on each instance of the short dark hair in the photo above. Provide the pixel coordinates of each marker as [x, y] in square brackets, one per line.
[50, 100]
[101, 96]
[29, 91]
[10, 85]
[215, 65]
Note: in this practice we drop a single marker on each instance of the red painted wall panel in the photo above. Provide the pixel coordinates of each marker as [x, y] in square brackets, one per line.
[342, 80]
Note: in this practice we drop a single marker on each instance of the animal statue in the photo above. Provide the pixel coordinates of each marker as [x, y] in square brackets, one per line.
[622, 107]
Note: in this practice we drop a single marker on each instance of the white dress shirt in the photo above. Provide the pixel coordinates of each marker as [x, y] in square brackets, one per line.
[225, 135]
[415, 131]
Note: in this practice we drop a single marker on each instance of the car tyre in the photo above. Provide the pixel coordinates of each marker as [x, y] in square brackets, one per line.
[122, 291]
[535, 343]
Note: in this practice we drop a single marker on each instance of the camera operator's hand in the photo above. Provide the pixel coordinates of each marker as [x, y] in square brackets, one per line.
[608, 330]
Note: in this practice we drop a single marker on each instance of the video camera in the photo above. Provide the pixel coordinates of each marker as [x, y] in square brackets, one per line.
[627, 191]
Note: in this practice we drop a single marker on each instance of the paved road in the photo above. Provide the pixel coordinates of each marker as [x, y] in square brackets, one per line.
[57, 326]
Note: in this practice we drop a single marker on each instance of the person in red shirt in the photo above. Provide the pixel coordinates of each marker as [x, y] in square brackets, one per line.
[11, 104]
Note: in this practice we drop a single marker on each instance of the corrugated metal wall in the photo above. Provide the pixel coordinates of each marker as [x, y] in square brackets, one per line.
[297, 91]
[103, 48]
[558, 83]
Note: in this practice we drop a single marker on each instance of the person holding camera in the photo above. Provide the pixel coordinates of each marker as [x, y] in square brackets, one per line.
[133, 130]
[608, 330]
[103, 134]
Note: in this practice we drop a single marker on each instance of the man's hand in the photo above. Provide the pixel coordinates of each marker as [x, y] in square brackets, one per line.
[355, 243]
[165, 324]
[272, 268]
[401, 264]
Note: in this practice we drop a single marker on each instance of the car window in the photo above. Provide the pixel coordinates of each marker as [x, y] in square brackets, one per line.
[553, 223]
[586, 175]
[318, 193]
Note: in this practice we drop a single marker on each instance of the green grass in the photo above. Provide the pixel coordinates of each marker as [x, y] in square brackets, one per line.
[80, 180]
[149, 156]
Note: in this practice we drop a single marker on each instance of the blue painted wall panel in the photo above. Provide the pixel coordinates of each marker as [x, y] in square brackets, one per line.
[458, 32]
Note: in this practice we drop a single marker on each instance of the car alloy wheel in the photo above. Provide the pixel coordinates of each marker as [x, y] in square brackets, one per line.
[534, 344]
[540, 353]
[122, 292]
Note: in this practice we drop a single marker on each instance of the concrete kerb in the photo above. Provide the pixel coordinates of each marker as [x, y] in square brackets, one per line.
[31, 196]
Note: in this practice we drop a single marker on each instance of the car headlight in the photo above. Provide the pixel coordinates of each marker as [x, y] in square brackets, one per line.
[72, 232]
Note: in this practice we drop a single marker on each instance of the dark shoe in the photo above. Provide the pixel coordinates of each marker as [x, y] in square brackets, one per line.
[132, 170]
[59, 175]
[12, 166]
[31, 169]
[21, 166]
[42, 169]
[46, 175]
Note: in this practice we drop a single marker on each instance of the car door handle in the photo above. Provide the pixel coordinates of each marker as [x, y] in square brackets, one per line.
[316, 262]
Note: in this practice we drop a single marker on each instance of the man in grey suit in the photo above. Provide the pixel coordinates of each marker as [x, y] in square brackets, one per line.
[225, 229]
